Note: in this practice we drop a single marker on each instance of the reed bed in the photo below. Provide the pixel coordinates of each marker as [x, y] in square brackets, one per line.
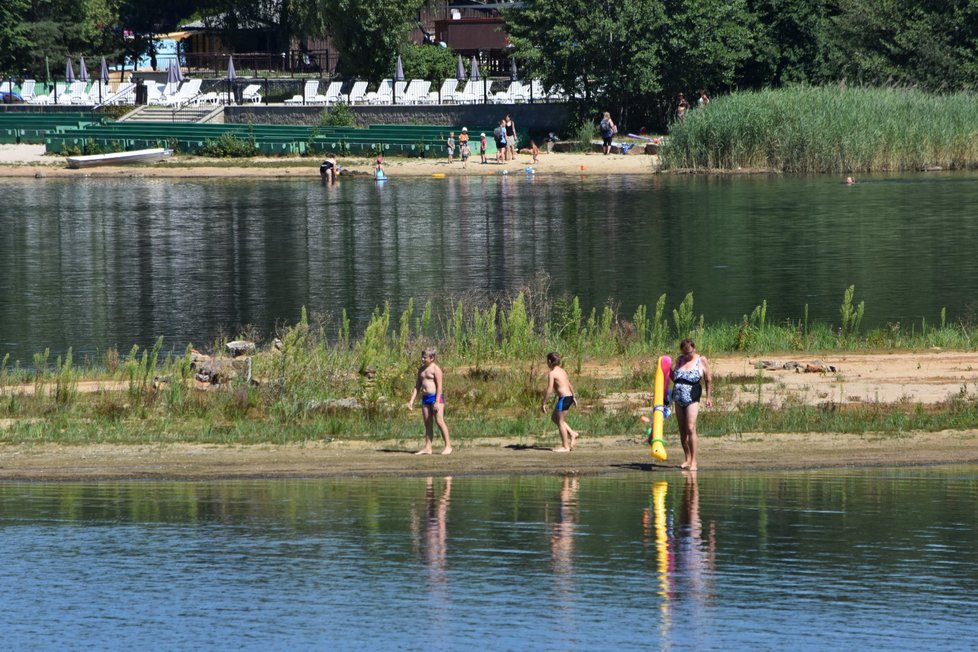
[315, 380]
[828, 129]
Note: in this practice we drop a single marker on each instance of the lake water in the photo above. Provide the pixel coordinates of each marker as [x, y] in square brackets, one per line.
[94, 263]
[854, 559]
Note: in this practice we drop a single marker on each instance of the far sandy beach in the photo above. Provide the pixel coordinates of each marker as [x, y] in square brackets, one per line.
[30, 161]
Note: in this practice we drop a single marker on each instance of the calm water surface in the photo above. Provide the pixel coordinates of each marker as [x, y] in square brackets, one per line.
[875, 559]
[98, 263]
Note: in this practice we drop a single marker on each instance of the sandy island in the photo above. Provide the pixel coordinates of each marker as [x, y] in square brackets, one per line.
[928, 378]
[30, 161]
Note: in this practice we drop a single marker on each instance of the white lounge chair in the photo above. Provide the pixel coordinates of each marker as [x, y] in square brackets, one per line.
[74, 94]
[474, 92]
[187, 92]
[383, 94]
[516, 92]
[446, 94]
[332, 94]
[251, 93]
[124, 94]
[154, 91]
[27, 90]
[358, 93]
[309, 92]
[416, 92]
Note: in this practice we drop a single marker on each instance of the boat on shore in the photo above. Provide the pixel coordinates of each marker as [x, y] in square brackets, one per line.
[118, 158]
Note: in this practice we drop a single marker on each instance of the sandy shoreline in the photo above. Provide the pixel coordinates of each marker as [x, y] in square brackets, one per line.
[30, 161]
[755, 452]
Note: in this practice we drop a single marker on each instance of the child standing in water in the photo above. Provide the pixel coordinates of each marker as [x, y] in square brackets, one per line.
[429, 383]
[558, 382]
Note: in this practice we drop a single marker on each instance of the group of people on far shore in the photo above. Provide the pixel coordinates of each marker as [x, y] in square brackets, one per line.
[690, 375]
[504, 138]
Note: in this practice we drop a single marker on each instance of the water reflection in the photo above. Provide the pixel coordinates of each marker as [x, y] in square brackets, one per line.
[98, 263]
[429, 529]
[563, 527]
[685, 561]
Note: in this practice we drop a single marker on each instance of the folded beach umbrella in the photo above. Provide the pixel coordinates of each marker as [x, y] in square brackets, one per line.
[104, 72]
[82, 70]
[173, 78]
[232, 75]
[398, 76]
[460, 69]
[69, 72]
[512, 70]
[474, 70]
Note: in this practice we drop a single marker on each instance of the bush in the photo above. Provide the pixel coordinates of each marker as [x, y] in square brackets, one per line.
[229, 145]
[338, 115]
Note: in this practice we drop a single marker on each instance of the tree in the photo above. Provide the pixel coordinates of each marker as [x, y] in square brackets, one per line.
[57, 29]
[15, 41]
[601, 51]
[931, 43]
[143, 19]
[790, 43]
[428, 62]
[705, 43]
[369, 34]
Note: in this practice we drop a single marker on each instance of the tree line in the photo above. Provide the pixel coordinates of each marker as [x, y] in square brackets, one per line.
[628, 56]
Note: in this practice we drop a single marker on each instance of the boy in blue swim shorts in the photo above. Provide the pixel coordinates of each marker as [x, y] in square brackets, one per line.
[558, 382]
[429, 385]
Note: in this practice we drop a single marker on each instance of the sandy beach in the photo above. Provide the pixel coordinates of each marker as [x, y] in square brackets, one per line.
[927, 378]
[30, 161]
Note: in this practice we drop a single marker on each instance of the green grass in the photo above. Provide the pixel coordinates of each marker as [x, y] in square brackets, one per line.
[493, 354]
[835, 129]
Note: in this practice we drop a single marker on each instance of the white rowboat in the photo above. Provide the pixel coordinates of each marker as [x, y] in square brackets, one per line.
[117, 158]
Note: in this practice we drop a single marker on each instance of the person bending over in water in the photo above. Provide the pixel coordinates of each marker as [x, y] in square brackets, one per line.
[328, 170]
[432, 401]
[558, 382]
[689, 370]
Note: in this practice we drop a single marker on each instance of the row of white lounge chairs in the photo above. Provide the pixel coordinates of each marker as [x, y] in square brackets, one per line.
[418, 91]
[415, 92]
[175, 95]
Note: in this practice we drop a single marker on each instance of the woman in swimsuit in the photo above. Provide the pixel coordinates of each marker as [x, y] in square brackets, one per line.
[690, 369]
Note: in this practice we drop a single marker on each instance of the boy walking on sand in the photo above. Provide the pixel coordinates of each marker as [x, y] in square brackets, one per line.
[429, 383]
[558, 382]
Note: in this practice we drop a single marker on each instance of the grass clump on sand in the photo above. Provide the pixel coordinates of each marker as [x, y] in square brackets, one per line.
[316, 380]
[828, 129]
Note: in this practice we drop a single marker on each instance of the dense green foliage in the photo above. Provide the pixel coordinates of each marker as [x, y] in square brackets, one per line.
[829, 129]
[428, 62]
[633, 56]
[369, 34]
[630, 57]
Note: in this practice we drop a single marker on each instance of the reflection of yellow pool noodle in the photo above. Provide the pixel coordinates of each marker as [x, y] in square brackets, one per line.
[658, 399]
[659, 490]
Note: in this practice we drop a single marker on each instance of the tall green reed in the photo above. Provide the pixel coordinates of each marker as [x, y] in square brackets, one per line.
[831, 129]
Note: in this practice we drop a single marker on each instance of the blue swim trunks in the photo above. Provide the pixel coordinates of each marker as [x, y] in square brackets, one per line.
[429, 399]
[563, 403]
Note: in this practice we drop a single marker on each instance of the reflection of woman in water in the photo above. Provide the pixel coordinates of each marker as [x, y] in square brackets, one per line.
[694, 561]
[562, 534]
